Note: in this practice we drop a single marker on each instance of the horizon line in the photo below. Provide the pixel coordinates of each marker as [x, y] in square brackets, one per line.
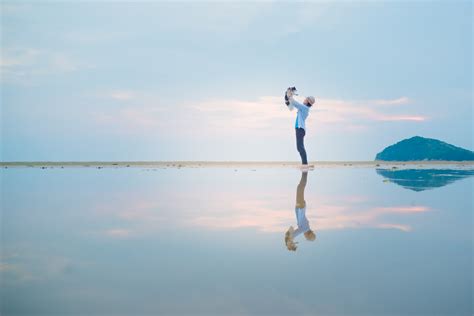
[225, 162]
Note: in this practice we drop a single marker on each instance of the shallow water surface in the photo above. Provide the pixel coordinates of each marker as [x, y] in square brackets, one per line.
[212, 241]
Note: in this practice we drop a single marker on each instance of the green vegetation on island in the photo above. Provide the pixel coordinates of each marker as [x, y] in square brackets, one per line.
[419, 148]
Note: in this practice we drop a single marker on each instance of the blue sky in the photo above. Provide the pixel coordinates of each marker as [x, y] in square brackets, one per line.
[204, 81]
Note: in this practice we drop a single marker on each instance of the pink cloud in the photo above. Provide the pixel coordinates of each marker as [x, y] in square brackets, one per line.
[141, 113]
[118, 233]
[405, 228]
[399, 101]
[269, 113]
[360, 113]
[352, 215]
[415, 118]
[230, 211]
[402, 209]
[122, 95]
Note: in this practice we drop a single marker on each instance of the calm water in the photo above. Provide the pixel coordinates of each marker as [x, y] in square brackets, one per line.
[212, 241]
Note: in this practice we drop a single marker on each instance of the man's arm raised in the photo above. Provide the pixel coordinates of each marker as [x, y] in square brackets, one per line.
[296, 104]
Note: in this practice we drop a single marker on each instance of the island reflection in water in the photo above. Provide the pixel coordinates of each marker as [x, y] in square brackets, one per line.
[210, 242]
[424, 179]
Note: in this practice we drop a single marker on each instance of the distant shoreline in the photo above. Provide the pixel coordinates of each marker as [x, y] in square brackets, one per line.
[243, 164]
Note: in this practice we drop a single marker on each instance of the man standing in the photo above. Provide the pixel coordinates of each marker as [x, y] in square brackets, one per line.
[300, 127]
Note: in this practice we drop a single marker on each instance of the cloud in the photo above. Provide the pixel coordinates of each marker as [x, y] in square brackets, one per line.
[306, 14]
[22, 65]
[147, 113]
[13, 8]
[118, 232]
[413, 118]
[353, 215]
[241, 115]
[132, 120]
[267, 214]
[268, 112]
[362, 111]
[264, 217]
[399, 101]
[402, 209]
[6, 266]
[62, 63]
[121, 95]
[404, 228]
[142, 211]
[34, 266]
[329, 213]
[93, 36]
[255, 214]
[18, 57]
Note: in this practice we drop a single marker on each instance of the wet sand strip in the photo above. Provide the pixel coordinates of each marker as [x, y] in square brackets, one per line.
[240, 164]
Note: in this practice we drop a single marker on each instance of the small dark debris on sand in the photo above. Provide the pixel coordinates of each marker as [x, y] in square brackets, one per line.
[377, 165]
[128, 166]
[115, 164]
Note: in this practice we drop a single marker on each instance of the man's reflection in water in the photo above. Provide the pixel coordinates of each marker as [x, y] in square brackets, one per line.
[302, 221]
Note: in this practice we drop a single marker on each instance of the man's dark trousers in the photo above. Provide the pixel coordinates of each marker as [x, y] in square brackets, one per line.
[300, 144]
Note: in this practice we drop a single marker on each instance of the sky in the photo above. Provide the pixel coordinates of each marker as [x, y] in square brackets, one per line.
[142, 81]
